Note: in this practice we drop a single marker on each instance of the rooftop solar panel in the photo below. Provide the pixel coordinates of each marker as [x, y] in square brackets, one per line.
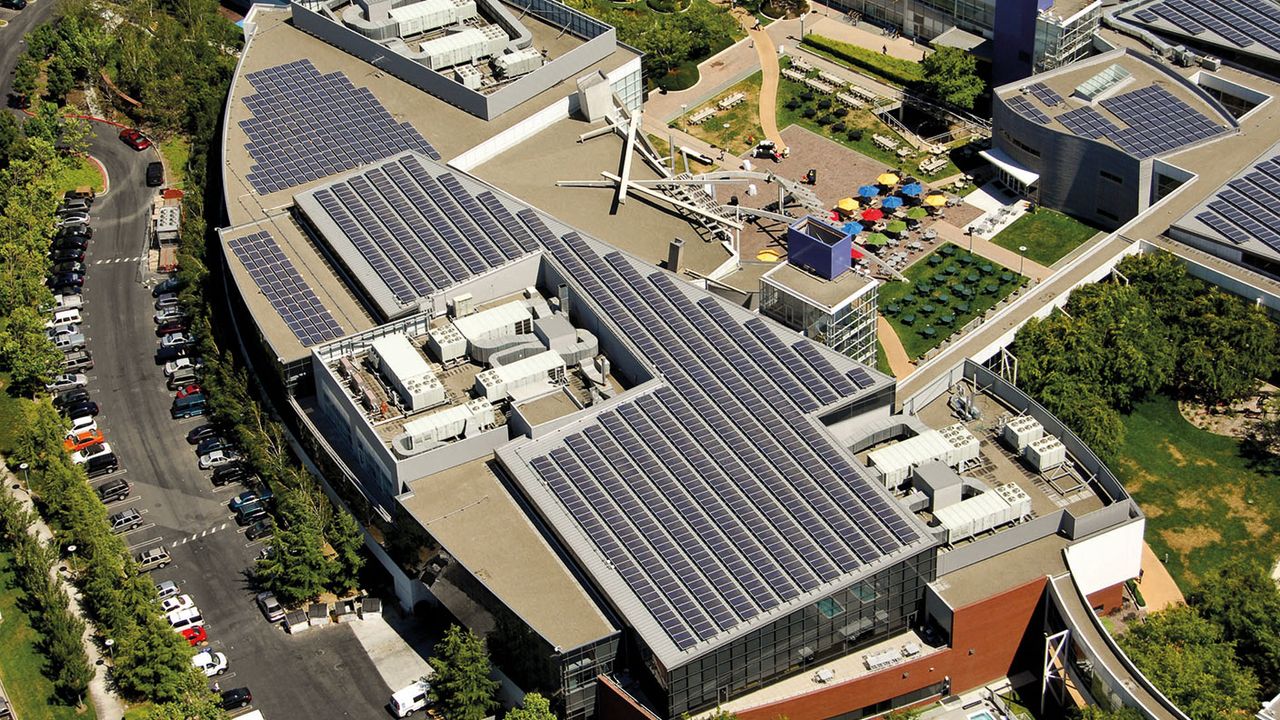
[1087, 122]
[1024, 108]
[279, 281]
[1244, 208]
[1242, 24]
[1045, 94]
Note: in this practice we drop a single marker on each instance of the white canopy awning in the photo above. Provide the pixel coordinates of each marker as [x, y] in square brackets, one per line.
[1001, 159]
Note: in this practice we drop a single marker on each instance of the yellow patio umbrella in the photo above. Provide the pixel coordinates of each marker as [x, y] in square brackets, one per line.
[847, 205]
[887, 179]
[935, 201]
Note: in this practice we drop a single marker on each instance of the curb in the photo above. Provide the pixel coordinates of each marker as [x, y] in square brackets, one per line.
[106, 176]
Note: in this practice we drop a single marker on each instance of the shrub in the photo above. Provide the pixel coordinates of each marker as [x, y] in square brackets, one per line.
[854, 135]
[837, 128]
[806, 96]
[840, 111]
[809, 112]
[895, 70]
[826, 120]
[793, 104]
[668, 6]
[824, 104]
[682, 78]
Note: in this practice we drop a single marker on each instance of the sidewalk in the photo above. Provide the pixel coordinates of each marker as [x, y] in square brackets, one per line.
[992, 251]
[899, 362]
[1157, 585]
[900, 47]
[106, 704]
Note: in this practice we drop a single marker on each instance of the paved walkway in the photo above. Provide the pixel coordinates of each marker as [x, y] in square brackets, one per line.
[769, 73]
[826, 24]
[1157, 585]
[899, 361]
[991, 251]
[106, 704]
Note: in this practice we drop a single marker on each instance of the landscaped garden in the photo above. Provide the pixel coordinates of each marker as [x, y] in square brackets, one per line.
[942, 293]
[736, 129]
[84, 173]
[1047, 234]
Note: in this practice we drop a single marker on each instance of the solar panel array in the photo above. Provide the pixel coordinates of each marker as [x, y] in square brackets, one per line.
[1240, 22]
[289, 294]
[421, 233]
[308, 126]
[1158, 121]
[1045, 94]
[714, 498]
[1023, 107]
[1247, 207]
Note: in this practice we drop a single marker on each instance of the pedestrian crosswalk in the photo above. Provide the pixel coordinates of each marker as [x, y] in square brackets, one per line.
[119, 260]
[198, 535]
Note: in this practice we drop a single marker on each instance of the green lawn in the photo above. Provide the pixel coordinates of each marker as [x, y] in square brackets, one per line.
[176, 150]
[1048, 235]
[743, 121]
[882, 360]
[934, 281]
[21, 665]
[84, 173]
[1205, 502]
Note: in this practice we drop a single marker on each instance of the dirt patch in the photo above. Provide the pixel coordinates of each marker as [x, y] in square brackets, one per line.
[1254, 522]
[1175, 453]
[1188, 501]
[1152, 511]
[1185, 540]
[1229, 421]
[1137, 476]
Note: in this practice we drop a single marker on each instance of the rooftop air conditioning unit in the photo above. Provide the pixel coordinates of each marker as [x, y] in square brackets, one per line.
[1210, 63]
[461, 305]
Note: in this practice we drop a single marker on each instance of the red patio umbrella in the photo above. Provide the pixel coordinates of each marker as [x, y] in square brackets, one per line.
[872, 214]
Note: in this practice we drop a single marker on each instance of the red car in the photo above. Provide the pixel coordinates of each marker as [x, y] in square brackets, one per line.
[188, 390]
[135, 139]
[195, 635]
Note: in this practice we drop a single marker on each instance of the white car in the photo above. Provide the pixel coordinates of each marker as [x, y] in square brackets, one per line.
[66, 381]
[178, 602]
[183, 363]
[63, 316]
[168, 314]
[83, 424]
[174, 340]
[54, 331]
[212, 663]
[82, 457]
[167, 300]
[217, 458]
[67, 302]
[166, 589]
[75, 218]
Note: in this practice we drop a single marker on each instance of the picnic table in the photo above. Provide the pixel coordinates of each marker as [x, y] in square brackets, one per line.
[732, 101]
[701, 116]
[793, 74]
[849, 100]
[883, 142]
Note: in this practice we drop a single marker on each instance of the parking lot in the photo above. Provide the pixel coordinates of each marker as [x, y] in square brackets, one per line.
[325, 673]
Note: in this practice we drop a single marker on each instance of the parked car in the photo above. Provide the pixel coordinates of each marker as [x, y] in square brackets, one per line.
[250, 513]
[69, 342]
[244, 498]
[167, 300]
[69, 242]
[155, 174]
[67, 302]
[169, 314]
[78, 204]
[66, 381]
[183, 363]
[189, 406]
[236, 698]
[13, 5]
[217, 458]
[84, 192]
[102, 464]
[408, 699]
[258, 530]
[227, 474]
[71, 254]
[209, 444]
[69, 266]
[66, 280]
[200, 433]
[167, 354]
[77, 361]
[135, 139]
[175, 340]
[180, 620]
[173, 327]
[83, 423]
[125, 520]
[177, 602]
[65, 328]
[81, 409]
[166, 589]
[195, 635]
[73, 231]
[70, 397]
[212, 663]
[114, 490]
[181, 379]
[80, 441]
[153, 559]
[270, 606]
[166, 287]
[72, 220]
[188, 390]
[82, 457]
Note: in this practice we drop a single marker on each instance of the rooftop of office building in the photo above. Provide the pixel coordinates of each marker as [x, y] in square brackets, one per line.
[1243, 27]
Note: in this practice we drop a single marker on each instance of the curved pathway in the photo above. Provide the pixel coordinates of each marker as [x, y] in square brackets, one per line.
[769, 73]
[899, 361]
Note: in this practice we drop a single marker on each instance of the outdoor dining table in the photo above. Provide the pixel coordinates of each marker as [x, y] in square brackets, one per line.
[1007, 277]
[944, 298]
[947, 319]
[987, 269]
[972, 277]
[892, 309]
[951, 269]
[908, 319]
[927, 308]
[929, 331]
[962, 307]
[931, 234]
[935, 260]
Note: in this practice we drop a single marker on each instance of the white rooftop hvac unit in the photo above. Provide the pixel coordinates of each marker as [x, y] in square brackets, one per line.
[457, 421]
[520, 62]
[464, 47]
[505, 381]
[1021, 431]
[404, 367]
[511, 318]
[1046, 453]
[428, 15]
[446, 343]
[1017, 498]
[965, 444]
[468, 77]
[976, 515]
[895, 461]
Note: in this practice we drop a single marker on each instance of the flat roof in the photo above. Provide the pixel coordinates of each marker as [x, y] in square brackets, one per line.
[829, 294]
[1241, 213]
[1147, 85]
[472, 515]
[1233, 18]
[981, 580]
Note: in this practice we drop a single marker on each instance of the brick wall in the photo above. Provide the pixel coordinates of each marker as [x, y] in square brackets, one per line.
[1109, 599]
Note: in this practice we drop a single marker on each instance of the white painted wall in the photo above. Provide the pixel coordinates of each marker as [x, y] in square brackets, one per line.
[1107, 559]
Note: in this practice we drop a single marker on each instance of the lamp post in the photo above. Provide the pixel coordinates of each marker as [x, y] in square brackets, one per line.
[802, 16]
[110, 644]
[26, 476]
[71, 566]
[1021, 250]
[684, 108]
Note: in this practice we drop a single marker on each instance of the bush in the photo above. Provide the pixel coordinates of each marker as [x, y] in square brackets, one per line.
[824, 104]
[826, 120]
[806, 96]
[682, 78]
[792, 104]
[809, 112]
[895, 70]
[668, 6]
[837, 128]
[840, 111]
[854, 135]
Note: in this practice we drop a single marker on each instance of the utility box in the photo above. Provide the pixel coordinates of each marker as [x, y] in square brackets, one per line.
[1021, 431]
[1046, 453]
[515, 64]
[447, 344]
[468, 77]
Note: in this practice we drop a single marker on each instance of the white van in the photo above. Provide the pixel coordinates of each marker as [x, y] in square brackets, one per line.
[414, 697]
[68, 302]
[183, 619]
[64, 316]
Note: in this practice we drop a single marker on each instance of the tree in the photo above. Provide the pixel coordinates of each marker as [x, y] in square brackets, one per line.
[461, 686]
[347, 540]
[1242, 599]
[951, 75]
[154, 662]
[60, 79]
[1137, 358]
[1082, 408]
[1228, 346]
[298, 570]
[26, 350]
[1093, 712]
[24, 79]
[10, 137]
[534, 707]
[1193, 664]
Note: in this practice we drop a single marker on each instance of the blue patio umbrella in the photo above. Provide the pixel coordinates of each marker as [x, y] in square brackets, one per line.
[868, 191]
[853, 227]
[911, 189]
[891, 203]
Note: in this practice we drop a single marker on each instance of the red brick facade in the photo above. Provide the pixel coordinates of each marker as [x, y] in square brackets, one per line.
[1107, 600]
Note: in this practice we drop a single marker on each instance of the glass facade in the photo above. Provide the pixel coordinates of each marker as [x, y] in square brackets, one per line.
[1060, 42]
[579, 669]
[863, 613]
[849, 330]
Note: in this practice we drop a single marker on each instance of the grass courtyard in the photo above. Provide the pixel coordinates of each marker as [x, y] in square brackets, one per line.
[943, 292]
[84, 173]
[1205, 502]
[1047, 234]
[730, 129]
[21, 664]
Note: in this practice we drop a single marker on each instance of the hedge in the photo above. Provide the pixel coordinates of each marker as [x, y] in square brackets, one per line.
[895, 70]
[683, 77]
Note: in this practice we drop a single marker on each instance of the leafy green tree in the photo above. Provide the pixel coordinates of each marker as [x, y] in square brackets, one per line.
[461, 686]
[1193, 664]
[951, 75]
[533, 707]
[1226, 347]
[24, 79]
[1244, 601]
[1083, 409]
[298, 570]
[154, 662]
[347, 540]
[1137, 359]
[39, 437]
[10, 137]
[1093, 712]
[60, 79]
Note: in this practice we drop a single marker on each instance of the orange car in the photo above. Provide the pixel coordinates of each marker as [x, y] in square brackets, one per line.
[80, 441]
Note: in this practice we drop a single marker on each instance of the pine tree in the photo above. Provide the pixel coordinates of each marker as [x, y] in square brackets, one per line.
[461, 686]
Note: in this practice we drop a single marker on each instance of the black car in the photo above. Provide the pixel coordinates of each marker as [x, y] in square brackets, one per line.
[258, 530]
[69, 242]
[155, 174]
[81, 409]
[71, 397]
[208, 445]
[227, 474]
[69, 267]
[236, 698]
[166, 286]
[173, 352]
[13, 4]
[173, 326]
[200, 433]
[67, 254]
[61, 280]
[74, 230]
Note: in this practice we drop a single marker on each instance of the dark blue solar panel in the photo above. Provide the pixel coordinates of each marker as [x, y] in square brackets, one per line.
[1158, 121]
[1023, 107]
[366, 247]
[1087, 122]
[1045, 94]
[290, 296]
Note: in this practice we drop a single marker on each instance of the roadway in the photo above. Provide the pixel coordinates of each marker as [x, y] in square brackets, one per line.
[324, 673]
[20, 23]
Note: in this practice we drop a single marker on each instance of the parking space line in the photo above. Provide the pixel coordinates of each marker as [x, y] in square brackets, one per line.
[127, 501]
[147, 526]
[157, 539]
